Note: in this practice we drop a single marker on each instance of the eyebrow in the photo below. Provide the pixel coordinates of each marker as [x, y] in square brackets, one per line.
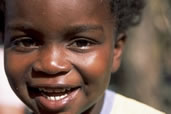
[24, 28]
[83, 28]
[76, 29]
[68, 31]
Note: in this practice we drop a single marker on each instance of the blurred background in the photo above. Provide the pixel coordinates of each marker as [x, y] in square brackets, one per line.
[145, 73]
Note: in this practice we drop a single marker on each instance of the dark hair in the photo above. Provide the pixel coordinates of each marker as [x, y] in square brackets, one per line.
[126, 12]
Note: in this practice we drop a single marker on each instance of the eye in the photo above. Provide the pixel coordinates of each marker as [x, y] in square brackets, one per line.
[82, 44]
[24, 44]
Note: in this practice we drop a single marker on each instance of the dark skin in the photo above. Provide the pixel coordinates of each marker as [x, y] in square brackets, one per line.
[60, 44]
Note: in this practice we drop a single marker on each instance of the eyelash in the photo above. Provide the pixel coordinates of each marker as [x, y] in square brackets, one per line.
[82, 44]
[25, 44]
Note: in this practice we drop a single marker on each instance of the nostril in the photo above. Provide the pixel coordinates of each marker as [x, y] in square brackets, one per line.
[45, 68]
[39, 74]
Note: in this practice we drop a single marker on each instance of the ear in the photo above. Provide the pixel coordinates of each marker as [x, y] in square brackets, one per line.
[118, 50]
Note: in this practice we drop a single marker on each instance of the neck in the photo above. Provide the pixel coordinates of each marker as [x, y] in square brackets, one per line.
[96, 109]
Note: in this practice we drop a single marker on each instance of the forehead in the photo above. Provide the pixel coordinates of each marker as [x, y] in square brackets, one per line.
[56, 7]
[54, 15]
[58, 12]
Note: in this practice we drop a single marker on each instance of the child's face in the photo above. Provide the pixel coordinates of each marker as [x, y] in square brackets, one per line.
[59, 53]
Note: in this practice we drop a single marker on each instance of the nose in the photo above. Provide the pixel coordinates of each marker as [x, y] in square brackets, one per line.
[52, 61]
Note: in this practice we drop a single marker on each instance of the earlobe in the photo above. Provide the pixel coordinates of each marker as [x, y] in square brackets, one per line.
[118, 50]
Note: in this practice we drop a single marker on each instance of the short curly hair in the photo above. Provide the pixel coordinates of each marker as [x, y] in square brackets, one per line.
[126, 12]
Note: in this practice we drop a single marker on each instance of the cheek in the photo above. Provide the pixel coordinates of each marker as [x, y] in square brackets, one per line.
[96, 66]
[16, 65]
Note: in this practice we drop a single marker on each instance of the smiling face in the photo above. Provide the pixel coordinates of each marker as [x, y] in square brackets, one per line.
[59, 54]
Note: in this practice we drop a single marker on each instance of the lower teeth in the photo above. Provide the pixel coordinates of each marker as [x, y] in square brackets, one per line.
[55, 98]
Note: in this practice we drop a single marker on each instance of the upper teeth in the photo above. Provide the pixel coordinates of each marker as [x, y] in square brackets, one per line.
[53, 98]
[54, 90]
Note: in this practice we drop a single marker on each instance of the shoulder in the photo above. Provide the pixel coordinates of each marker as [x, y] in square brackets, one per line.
[124, 105]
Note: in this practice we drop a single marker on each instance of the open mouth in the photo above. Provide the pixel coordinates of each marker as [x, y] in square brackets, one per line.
[53, 98]
[52, 94]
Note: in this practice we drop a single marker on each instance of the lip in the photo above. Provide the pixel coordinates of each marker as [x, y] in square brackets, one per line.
[56, 105]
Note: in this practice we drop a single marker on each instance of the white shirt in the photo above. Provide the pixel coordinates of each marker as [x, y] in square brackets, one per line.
[115, 103]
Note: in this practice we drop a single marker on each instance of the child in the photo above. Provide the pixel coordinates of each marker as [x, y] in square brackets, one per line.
[59, 54]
